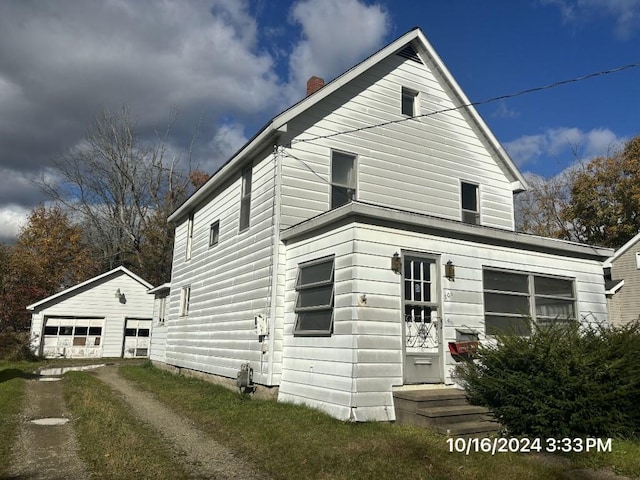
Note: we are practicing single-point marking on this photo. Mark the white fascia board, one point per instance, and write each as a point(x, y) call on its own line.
point(160, 288)
point(618, 286)
point(487, 235)
point(89, 282)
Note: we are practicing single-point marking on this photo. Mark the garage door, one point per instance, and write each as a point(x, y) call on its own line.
point(73, 337)
point(136, 337)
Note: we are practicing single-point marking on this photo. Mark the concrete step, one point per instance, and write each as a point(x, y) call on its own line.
point(411, 399)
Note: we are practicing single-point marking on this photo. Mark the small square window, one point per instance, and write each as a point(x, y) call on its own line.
point(409, 98)
point(214, 234)
point(314, 303)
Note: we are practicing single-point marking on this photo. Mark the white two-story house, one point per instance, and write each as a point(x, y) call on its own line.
point(356, 235)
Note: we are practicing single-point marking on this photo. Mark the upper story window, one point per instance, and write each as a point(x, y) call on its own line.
point(343, 178)
point(470, 203)
point(214, 234)
point(162, 306)
point(314, 305)
point(637, 259)
point(189, 236)
point(245, 199)
point(409, 102)
point(512, 298)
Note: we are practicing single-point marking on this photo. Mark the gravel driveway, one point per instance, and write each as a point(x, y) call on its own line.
point(49, 452)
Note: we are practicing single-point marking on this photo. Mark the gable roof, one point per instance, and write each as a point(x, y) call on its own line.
point(278, 124)
point(621, 250)
point(121, 269)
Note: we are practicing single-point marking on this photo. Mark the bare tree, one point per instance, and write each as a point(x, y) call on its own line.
point(122, 190)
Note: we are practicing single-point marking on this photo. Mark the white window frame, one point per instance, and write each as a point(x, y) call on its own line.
point(245, 198)
point(532, 297)
point(351, 190)
point(189, 237)
point(185, 300)
point(471, 217)
point(638, 260)
point(162, 308)
point(412, 96)
point(307, 288)
point(214, 233)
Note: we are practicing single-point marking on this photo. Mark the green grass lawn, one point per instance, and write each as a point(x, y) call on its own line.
point(11, 398)
point(293, 442)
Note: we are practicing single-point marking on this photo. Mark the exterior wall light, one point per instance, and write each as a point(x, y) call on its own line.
point(450, 271)
point(396, 263)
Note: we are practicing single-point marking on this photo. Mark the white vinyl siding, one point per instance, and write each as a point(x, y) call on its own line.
point(98, 302)
point(351, 374)
point(230, 284)
point(412, 165)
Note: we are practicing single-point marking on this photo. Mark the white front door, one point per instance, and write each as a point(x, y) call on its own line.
point(422, 321)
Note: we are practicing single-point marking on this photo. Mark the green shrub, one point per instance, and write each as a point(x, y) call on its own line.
point(563, 381)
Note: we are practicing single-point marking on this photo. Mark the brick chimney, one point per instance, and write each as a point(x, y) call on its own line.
point(314, 84)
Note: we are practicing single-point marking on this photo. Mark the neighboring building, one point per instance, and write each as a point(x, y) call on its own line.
point(339, 258)
point(106, 316)
point(158, 330)
point(622, 272)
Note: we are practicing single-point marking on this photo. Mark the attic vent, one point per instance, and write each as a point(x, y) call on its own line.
point(410, 53)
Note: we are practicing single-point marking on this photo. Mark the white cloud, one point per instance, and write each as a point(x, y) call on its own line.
point(562, 142)
point(12, 218)
point(504, 112)
point(625, 13)
point(335, 35)
point(227, 140)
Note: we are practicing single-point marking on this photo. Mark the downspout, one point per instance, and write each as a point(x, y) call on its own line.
point(275, 254)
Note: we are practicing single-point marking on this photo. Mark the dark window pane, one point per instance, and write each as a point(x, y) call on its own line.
point(95, 331)
point(469, 197)
point(143, 332)
point(245, 212)
point(214, 233)
point(553, 286)
point(407, 268)
point(343, 169)
point(505, 281)
point(416, 269)
point(408, 100)
point(318, 296)
point(246, 181)
point(51, 330)
point(316, 273)
point(502, 303)
point(554, 308)
point(319, 320)
point(66, 330)
point(507, 325)
point(142, 352)
point(407, 290)
point(130, 332)
point(417, 291)
point(81, 330)
point(341, 196)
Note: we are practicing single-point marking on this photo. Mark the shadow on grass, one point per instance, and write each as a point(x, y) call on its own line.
point(11, 373)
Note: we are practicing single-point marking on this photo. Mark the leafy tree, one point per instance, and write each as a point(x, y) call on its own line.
point(596, 203)
point(49, 255)
point(122, 190)
point(605, 198)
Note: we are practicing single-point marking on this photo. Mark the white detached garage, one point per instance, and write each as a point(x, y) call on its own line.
point(106, 316)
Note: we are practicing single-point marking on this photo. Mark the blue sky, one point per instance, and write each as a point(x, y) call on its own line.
point(230, 65)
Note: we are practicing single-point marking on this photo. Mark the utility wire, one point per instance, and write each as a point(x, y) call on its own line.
point(473, 104)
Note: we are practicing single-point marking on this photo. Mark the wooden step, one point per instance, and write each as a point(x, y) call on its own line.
point(445, 409)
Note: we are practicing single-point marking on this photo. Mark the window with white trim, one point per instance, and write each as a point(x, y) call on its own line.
point(469, 202)
point(343, 178)
point(409, 102)
point(314, 302)
point(162, 306)
point(189, 236)
point(512, 299)
point(185, 298)
point(214, 234)
point(245, 199)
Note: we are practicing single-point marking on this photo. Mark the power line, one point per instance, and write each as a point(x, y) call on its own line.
point(473, 104)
